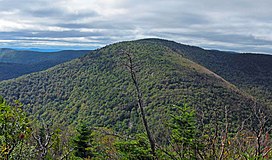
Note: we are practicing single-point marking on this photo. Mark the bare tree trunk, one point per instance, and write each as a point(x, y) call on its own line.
point(130, 66)
point(43, 145)
point(225, 135)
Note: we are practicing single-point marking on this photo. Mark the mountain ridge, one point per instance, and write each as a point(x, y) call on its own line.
point(248, 71)
point(14, 63)
point(8, 55)
point(97, 88)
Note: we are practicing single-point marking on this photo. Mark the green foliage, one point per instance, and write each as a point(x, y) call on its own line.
point(50, 142)
point(14, 129)
point(98, 89)
point(249, 72)
point(83, 142)
point(184, 125)
point(184, 131)
point(133, 149)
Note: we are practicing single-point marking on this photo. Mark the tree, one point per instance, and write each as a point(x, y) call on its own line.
point(131, 68)
point(43, 140)
point(13, 129)
point(184, 132)
point(134, 149)
point(83, 142)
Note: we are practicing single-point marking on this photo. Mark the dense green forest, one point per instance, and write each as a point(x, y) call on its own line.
point(199, 104)
point(15, 63)
point(249, 72)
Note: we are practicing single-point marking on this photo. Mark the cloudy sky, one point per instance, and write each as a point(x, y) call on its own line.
point(236, 25)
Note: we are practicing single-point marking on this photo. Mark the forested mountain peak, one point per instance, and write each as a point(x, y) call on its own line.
point(199, 92)
point(99, 84)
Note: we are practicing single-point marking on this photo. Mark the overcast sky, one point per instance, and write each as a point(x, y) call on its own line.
point(236, 25)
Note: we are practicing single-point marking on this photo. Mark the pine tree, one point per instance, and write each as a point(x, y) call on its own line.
point(184, 132)
point(83, 142)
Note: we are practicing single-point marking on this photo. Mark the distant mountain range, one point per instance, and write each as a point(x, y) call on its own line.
point(14, 63)
point(97, 87)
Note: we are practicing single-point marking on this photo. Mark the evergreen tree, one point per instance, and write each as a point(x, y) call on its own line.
point(83, 142)
point(184, 132)
point(134, 149)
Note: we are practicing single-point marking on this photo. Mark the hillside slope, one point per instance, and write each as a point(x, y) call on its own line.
point(14, 63)
point(249, 72)
point(98, 88)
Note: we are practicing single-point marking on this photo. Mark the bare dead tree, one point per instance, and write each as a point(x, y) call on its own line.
point(260, 131)
point(225, 135)
point(65, 156)
point(131, 68)
point(43, 141)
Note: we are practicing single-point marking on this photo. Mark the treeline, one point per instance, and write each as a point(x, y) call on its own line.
point(186, 138)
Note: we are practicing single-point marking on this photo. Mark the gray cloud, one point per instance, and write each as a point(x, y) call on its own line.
point(241, 25)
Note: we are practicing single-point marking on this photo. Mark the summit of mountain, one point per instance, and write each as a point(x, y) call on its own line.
point(250, 72)
point(97, 87)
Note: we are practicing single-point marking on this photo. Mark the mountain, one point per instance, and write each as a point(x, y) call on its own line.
point(251, 73)
point(97, 87)
point(32, 57)
point(14, 63)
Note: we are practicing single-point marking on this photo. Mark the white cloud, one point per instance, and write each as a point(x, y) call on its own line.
point(233, 24)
